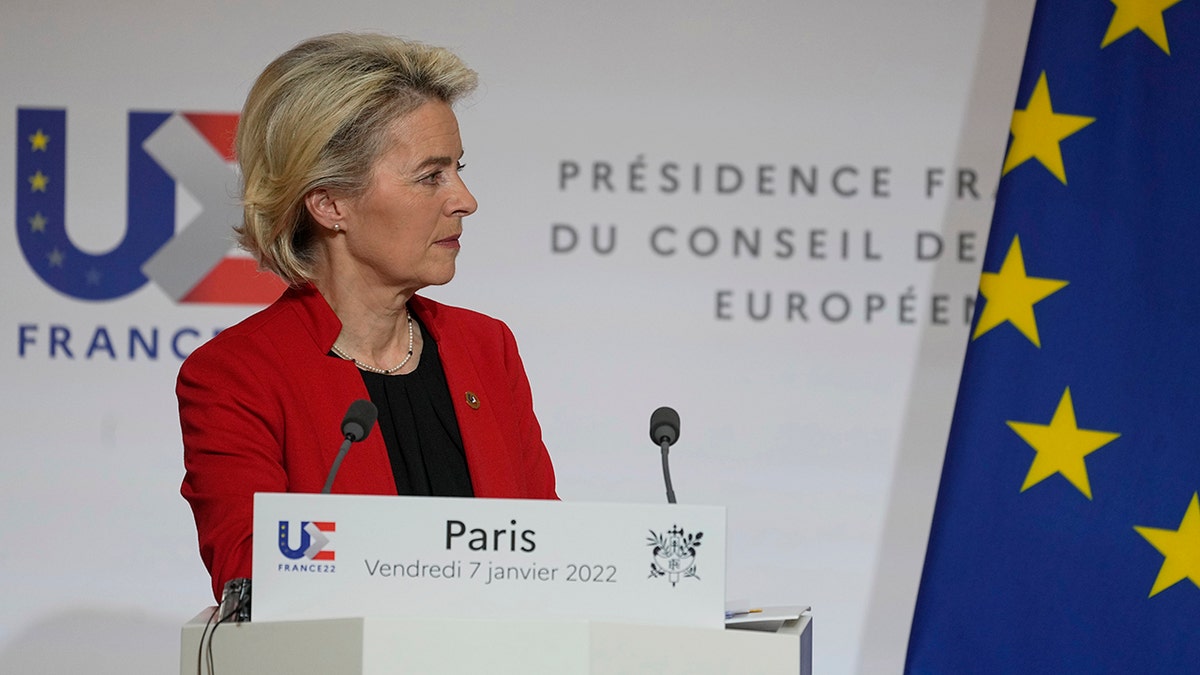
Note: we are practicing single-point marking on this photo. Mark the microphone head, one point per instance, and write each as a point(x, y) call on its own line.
point(359, 419)
point(664, 426)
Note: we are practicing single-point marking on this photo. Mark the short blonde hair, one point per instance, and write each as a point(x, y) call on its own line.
point(317, 117)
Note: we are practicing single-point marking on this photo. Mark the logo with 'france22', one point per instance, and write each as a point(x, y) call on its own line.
point(166, 151)
point(313, 543)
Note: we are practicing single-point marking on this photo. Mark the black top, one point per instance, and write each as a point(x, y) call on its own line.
point(416, 418)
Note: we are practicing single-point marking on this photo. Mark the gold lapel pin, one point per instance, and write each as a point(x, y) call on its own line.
point(472, 400)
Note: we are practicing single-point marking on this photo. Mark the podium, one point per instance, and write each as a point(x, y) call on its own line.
point(372, 585)
point(375, 646)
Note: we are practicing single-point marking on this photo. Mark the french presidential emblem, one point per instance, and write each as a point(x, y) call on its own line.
point(674, 554)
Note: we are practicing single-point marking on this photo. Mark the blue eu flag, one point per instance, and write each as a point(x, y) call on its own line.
point(1066, 536)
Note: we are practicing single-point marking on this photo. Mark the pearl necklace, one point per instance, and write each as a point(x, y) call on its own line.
point(372, 369)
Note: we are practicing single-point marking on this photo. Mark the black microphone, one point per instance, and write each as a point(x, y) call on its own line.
point(359, 419)
point(664, 426)
point(357, 423)
point(664, 431)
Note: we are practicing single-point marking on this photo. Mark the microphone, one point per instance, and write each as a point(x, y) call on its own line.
point(359, 419)
point(664, 431)
point(357, 423)
point(664, 426)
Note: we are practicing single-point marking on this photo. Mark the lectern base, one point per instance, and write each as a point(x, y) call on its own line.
point(375, 646)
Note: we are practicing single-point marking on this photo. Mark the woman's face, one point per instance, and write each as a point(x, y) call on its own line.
point(403, 232)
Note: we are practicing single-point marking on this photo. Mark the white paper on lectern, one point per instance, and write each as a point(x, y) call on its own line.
point(329, 556)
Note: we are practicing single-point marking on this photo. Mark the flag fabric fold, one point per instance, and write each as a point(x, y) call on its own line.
point(1066, 535)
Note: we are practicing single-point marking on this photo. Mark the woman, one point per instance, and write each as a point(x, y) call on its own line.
point(350, 157)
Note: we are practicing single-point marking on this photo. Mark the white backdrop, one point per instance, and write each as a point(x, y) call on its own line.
point(814, 374)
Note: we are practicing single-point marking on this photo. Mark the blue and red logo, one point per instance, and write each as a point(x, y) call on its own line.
point(167, 151)
point(314, 544)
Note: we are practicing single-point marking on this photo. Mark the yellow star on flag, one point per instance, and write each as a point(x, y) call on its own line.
point(56, 258)
point(37, 223)
point(1143, 15)
point(1011, 295)
point(1037, 131)
point(38, 181)
point(1061, 446)
point(1181, 548)
point(39, 141)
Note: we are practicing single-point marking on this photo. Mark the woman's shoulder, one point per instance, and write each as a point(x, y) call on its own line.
point(259, 334)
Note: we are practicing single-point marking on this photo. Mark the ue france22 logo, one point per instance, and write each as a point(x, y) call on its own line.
point(313, 542)
point(166, 151)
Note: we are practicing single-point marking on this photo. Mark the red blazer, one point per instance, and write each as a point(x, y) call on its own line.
point(261, 407)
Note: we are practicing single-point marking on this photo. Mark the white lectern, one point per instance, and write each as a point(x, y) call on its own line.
point(373, 585)
point(375, 646)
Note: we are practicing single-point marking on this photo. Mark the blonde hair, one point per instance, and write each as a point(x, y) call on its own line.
point(317, 117)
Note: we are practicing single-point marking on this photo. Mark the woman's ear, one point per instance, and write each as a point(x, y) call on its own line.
point(325, 209)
